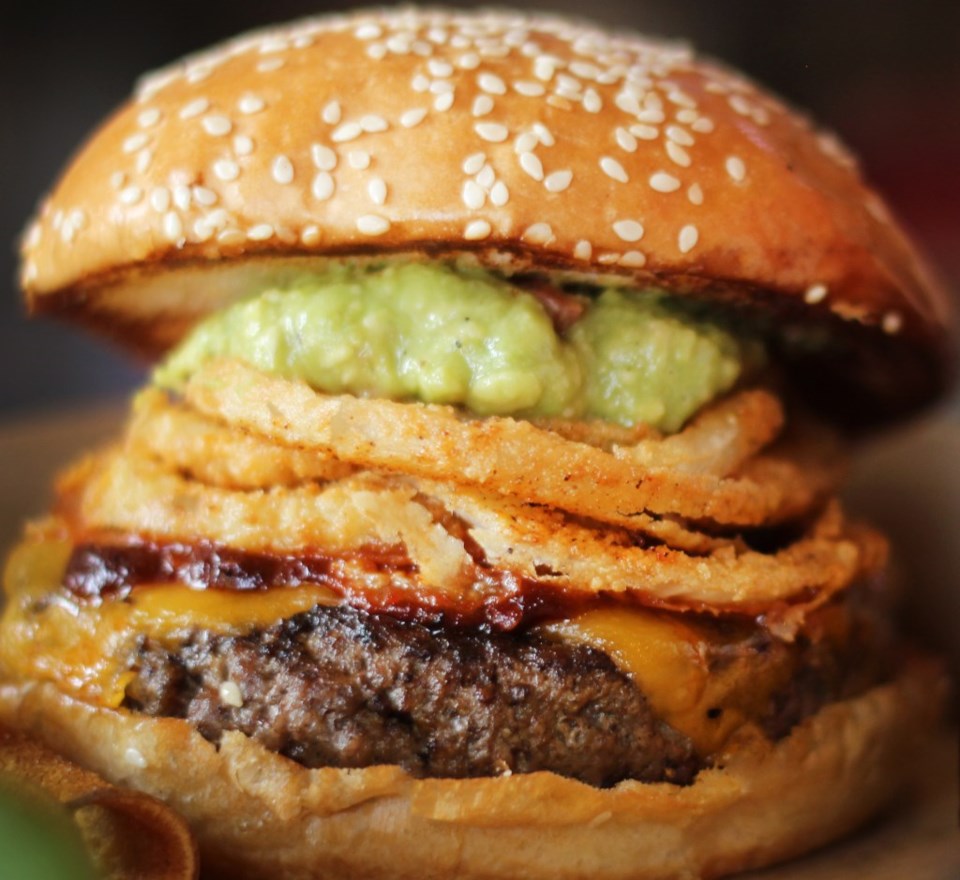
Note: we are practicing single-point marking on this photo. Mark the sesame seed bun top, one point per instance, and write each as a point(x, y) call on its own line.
point(520, 141)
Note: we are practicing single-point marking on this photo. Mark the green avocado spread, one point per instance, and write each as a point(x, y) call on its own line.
point(435, 334)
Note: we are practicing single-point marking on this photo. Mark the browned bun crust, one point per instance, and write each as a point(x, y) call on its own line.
point(260, 815)
point(600, 154)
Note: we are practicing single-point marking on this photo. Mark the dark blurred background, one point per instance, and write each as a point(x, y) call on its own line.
point(886, 75)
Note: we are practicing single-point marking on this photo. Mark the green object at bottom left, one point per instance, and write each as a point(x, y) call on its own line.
point(37, 839)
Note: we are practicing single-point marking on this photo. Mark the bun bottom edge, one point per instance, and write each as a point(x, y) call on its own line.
point(257, 814)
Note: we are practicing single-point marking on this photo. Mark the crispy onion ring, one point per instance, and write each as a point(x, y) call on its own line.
point(212, 453)
point(131, 494)
point(503, 455)
point(137, 495)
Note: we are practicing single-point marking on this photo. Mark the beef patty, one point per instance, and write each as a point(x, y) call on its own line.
point(340, 687)
point(343, 687)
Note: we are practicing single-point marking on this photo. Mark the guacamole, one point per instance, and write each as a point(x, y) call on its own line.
point(434, 334)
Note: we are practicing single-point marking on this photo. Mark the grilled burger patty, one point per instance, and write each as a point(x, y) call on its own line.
point(342, 687)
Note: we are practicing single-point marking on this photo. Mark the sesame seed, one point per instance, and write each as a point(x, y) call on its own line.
point(468, 61)
point(544, 67)
point(260, 232)
point(310, 235)
point(815, 293)
point(204, 196)
point(194, 108)
point(443, 102)
point(740, 104)
point(135, 142)
point(331, 113)
point(892, 323)
point(270, 45)
point(118, 179)
point(681, 99)
point(148, 118)
point(358, 159)
point(130, 195)
point(592, 102)
point(492, 84)
point(323, 157)
point(413, 117)
point(678, 155)
point(377, 190)
point(226, 169)
point(232, 237)
point(420, 83)
point(542, 132)
point(627, 103)
point(249, 104)
point(687, 116)
point(625, 140)
point(499, 194)
point(476, 229)
point(181, 196)
point(612, 168)
point(486, 177)
point(688, 238)
point(482, 105)
point(628, 230)
point(493, 132)
point(473, 163)
point(202, 231)
point(651, 116)
point(373, 123)
point(270, 64)
point(583, 250)
point(439, 67)
point(735, 168)
point(529, 89)
point(558, 181)
point(703, 125)
point(372, 224)
point(376, 51)
point(644, 132)
point(144, 158)
point(634, 259)
point(539, 233)
point(695, 194)
point(473, 195)
point(198, 74)
point(218, 126)
point(77, 218)
point(532, 165)
point(172, 225)
point(229, 691)
point(134, 758)
point(242, 145)
point(322, 186)
point(368, 31)
point(526, 142)
point(347, 132)
point(282, 170)
point(437, 35)
point(679, 135)
point(663, 182)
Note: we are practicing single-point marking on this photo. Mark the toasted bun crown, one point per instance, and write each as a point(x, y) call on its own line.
point(543, 141)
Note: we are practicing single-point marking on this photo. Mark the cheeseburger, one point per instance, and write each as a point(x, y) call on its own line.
point(480, 518)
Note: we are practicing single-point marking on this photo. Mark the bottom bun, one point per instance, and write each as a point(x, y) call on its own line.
point(259, 815)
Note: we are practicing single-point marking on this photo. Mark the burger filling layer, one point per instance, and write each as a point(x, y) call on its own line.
point(597, 692)
point(430, 333)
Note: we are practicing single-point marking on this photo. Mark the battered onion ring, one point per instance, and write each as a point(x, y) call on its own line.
point(217, 455)
point(131, 494)
point(135, 495)
point(502, 455)
point(718, 441)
